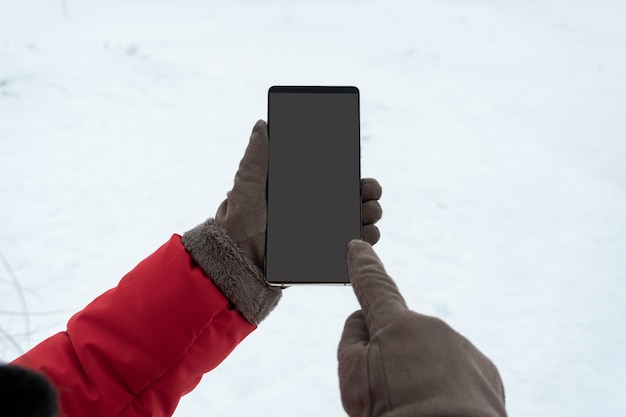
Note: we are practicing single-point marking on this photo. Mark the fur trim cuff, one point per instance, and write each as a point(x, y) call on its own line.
point(236, 276)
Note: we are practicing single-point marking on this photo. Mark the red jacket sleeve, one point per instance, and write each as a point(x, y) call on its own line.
point(139, 347)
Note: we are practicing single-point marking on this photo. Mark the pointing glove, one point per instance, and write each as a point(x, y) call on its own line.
point(394, 362)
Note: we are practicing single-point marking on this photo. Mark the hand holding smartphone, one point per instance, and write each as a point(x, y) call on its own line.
point(313, 184)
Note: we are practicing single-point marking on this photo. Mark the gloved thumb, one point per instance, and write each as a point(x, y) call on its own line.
point(252, 173)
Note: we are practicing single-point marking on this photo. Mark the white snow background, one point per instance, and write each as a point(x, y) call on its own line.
point(497, 130)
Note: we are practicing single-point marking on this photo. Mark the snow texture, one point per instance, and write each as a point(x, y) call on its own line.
point(497, 130)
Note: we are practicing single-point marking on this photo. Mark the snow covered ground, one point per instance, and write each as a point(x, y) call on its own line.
point(497, 130)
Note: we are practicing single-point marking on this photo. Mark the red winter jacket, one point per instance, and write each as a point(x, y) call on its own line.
point(139, 347)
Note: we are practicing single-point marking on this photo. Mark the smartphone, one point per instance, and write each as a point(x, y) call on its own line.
point(313, 184)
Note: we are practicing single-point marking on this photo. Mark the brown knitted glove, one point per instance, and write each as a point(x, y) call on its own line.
point(394, 362)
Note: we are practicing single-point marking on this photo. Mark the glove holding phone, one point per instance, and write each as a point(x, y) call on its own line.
point(230, 248)
point(394, 362)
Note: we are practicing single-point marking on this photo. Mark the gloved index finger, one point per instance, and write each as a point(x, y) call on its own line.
point(377, 293)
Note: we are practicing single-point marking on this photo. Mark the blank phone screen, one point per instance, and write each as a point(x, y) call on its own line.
point(313, 185)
